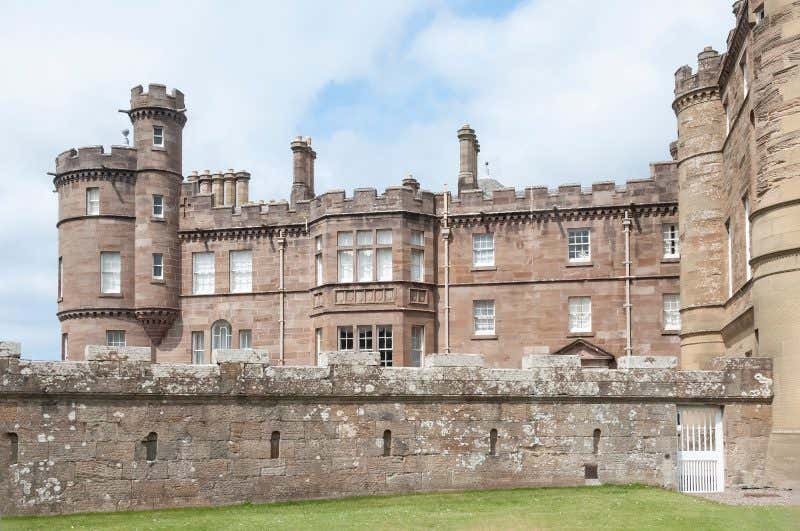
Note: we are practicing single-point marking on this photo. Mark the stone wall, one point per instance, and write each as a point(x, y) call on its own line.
point(82, 428)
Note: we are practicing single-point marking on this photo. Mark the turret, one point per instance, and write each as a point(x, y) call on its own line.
point(701, 133)
point(303, 170)
point(158, 118)
point(468, 159)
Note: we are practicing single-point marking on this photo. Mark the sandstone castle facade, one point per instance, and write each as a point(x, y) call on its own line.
point(700, 261)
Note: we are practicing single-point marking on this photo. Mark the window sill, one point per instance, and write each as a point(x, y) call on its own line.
point(159, 148)
point(155, 219)
point(579, 264)
point(158, 281)
point(484, 268)
point(110, 295)
point(667, 260)
point(476, 337)
point(580, 334)
point(670, 332)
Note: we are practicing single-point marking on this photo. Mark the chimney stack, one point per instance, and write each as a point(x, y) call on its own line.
point(468, 159)
point(303, 178)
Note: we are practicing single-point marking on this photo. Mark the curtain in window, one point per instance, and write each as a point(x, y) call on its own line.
point(241, 271)
point(384, 237)
point(672, 312)
point(417, 265)
point(110, 268)
point(483, 250)
point(483, 313)
point(203, 273)
point(345, 266)
point(384, 264)
point(365, 265)
point(580, 314)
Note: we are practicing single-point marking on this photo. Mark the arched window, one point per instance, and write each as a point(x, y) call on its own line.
point(13, 443)
point(150, 444)
point(275, 445)
point(220, 335)
point(387, 443)
point(595, 441)
point(493, 442)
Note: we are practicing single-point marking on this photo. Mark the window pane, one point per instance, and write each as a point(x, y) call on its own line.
point(203, 273)
point(365, 265)
point(417, 265)
point(344, 239)
point(580, 314)
point(385, 347)
point(345, 266)
point(158, 265)
point(318, 243)
point(578, 245)
point(345, 338)
point(417, 237)
point(241, 271)
point(115, 338)
point(384, 237)
point(670, 237)
point(221, 335)
point(158, 136)
point(365, 338)
point(158, 206)
point(318, 267)
point(483, 250)
point(483, 315)
point(384, 264)
point(245, 338)
point(417, 342)
point(198, 347)
point(672, 312)
point(364, 237)
point(92, 201)
point(110, 272)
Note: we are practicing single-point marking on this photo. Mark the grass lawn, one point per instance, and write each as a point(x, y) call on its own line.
point(607, 507)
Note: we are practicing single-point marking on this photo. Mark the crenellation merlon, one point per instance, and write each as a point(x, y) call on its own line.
point(156, 96)
point(709, 65)
point(659, 188)
point(96, 157)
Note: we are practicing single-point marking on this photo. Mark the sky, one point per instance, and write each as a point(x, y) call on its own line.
point(558, 91)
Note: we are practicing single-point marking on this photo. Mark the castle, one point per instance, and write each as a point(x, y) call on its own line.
point(700, 261)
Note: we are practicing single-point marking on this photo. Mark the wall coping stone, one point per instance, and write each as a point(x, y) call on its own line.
point(647, 362)
point(240, 355)
point(348, 357)
point(106, 353)
point(10, 349)
point(454, 360)
point(543, 361)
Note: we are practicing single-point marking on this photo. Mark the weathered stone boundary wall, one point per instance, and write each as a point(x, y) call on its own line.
point(241, 431)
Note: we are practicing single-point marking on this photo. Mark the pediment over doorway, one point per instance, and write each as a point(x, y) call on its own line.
point(590, 354)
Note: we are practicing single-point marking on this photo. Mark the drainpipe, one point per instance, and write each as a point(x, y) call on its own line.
point(446, 240)
point(281, 293)
point(626, 227)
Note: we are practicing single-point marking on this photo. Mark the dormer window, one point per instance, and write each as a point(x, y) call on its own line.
point(158, 136)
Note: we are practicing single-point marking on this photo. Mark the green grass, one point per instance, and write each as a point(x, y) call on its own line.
point(607, 507)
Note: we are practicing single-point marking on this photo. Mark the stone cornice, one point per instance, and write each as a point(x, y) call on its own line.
point(562, 214)
point(241, 233)
point(93, 313)
point(160, 112)
point(95, 174)
point(693, 97)
point(117, 217)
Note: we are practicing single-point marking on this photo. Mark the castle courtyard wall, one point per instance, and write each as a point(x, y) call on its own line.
point(81, 426)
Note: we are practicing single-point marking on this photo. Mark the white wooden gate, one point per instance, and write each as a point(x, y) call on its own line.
point(701, 459)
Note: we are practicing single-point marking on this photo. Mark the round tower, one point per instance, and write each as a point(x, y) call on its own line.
point(96, 212)
point(158, 118)
point(775, 222)
point(701, 133)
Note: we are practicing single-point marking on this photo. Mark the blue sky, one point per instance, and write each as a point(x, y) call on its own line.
point(558, 90)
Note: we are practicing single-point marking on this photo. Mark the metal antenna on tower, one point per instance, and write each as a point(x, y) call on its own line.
point(125, 133)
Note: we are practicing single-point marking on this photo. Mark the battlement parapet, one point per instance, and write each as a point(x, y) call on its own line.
point(204, 215)
point(156, 96)
point(660, 187)
point(709, 65)
point(733, 379)
point(96, 158)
